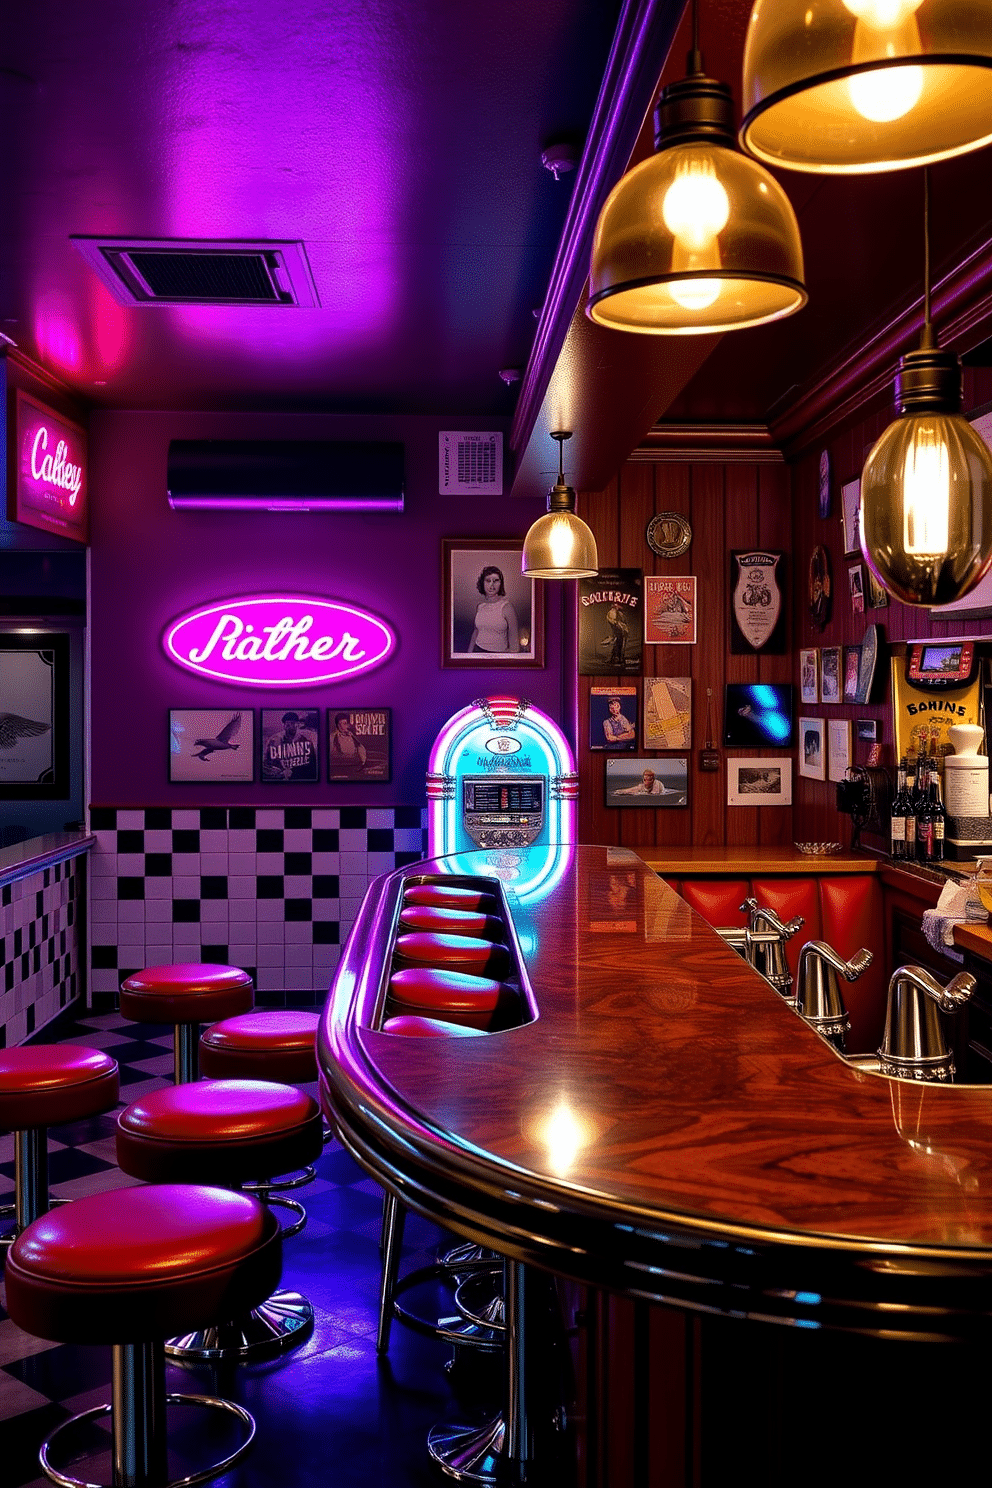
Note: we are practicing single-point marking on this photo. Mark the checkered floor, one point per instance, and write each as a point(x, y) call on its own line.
point(330, 1412)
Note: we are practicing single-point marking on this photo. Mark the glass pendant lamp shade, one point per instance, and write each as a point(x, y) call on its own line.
point(699, 238)
point(560, 545)
point(852, 86)
point(926, 489)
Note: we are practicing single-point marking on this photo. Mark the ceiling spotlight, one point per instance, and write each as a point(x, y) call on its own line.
point(509, 375)
point(699, 238)
point(848, 87)
point(560, 158)
point(560, 545)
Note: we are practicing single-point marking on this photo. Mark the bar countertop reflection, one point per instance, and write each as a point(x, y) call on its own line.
point(667, 1127)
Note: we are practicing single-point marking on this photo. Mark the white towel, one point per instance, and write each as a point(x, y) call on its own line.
point(958, 903)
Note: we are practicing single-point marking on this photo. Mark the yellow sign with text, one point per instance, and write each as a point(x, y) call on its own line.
point(919, 713)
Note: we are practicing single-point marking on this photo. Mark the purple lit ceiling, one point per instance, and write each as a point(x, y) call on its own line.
point(400, 140)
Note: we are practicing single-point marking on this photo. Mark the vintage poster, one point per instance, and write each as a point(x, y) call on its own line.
point(34, 738)
point(291, 745)
point(757, 611)
point(611, 623)
point(207, 745)
point(670, 610)
point(358, 746)
point(613, 718)
point(667, 712)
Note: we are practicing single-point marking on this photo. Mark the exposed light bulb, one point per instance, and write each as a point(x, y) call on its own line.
point(696, 205)
point(561, 541)
point(885, 28)
point(694, 294)
point(926, 494)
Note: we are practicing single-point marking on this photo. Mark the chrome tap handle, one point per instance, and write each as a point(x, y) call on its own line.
point(758, 912)
point(859, 962)
point(948, 999)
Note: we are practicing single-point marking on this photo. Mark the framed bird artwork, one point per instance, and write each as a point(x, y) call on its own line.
point(211, 744)
point(34, 716)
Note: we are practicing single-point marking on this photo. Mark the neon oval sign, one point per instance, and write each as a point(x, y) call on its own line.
point(279, 640)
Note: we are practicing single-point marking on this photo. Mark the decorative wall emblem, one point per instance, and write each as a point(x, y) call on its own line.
point(668, 534)
point(758, 620)
point(279, 641)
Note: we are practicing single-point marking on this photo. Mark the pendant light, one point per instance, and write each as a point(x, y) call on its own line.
point(926, 489)
point(699, 238)
point(560, 545)
point(854, 86)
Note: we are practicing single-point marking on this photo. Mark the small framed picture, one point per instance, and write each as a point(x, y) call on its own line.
point(812, 753)
point(759, 782)
point(647, 782)
point(809, 675)
point(838, 747)
point(35, 737)
point(492, 615)
point(866, 730)
point(207, 745)
point(669, 610)
point(613, 719)
point(830, 658)
point(359, 744)
point(850, 496)
point(878, 597)
point(856, 585)
point(667, 712)
point(290, 746)
point(852, 673)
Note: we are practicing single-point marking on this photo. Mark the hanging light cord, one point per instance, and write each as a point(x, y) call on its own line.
point(695, 61)
point(926, 253)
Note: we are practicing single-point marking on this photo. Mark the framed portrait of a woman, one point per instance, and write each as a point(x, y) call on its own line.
point(491, 615)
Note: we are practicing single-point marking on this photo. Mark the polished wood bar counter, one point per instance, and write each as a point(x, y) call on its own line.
point(665, 1127)
point(684, 862)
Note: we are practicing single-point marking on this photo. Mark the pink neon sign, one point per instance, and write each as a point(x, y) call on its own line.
point(279, 640)
point(50, 490)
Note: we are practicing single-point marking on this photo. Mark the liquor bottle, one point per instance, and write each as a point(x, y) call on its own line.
point(939, 816)
point(899, 814)
point(916, 796)
point(924, 823)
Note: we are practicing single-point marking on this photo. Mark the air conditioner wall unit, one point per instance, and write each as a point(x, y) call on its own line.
point(285, 475)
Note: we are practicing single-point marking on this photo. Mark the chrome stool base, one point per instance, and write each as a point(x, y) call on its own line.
point(479, 1298)
point(472, 1454)
point(212, 1402)
point(280, 1323)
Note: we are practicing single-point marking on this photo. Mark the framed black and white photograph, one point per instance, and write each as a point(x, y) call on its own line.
point(809, 675)
point(812, 749)
point(207, 745)
point(290, 746)
point(647, 782)
point(613, 719)
point(838, 747)
point(34, 721)
point(759, 782)
point(830, 674)
point(850, 496)
point(359, 744)
point(491, 615)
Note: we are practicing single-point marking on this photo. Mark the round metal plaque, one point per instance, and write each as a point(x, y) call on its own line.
point(668, 534)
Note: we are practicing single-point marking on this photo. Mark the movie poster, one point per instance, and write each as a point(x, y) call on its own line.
point(358, 746)
point(670, 610)
point(611, 623)
point(291, 745)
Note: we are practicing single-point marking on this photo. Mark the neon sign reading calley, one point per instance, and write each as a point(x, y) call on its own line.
point(279, 641)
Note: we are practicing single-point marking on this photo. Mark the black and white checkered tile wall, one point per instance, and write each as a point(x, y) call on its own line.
point(273, 891)
point(39, 955)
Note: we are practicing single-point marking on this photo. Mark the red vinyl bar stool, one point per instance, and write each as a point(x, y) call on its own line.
point(468, 953)
point(451, 921)
point(451, 896)
point(455, 996)
point(127, 1268)
point(40, 1086)
point(186, 995)
point(228, 1132)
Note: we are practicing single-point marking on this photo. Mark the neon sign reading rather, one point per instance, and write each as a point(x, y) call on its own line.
point(279, 641)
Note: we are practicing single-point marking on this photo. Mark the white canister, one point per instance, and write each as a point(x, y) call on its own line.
point(966, 785)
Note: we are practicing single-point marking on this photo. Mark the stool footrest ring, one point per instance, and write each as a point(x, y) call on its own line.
point(209, 1401)
point(262, 1186)
point(472, 1454)
point(276, 1201)
point(281, 1322)
point(456, 1330)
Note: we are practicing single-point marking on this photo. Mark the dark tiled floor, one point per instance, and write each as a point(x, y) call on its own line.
point(331, 1413)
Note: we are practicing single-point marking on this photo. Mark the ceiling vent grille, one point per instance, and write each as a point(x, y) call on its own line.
point(177, 272)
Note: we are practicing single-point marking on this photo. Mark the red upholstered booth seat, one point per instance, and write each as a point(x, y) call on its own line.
point(845, 910)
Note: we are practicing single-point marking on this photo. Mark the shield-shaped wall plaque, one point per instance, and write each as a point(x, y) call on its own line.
point(758, 609)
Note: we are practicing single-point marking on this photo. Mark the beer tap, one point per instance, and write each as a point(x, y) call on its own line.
point(770, 958)
point(913, 1044)
point(819, 998)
